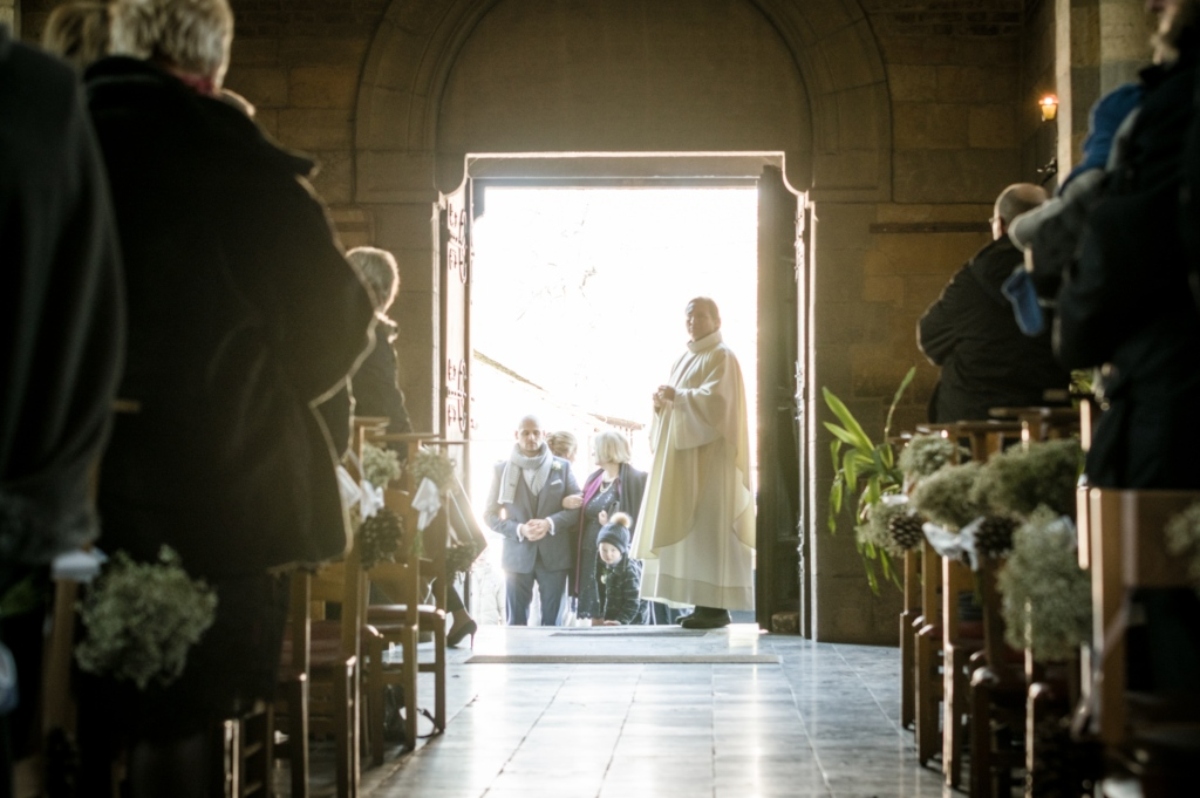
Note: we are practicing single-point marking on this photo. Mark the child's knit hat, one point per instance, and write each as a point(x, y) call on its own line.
point(616, 533)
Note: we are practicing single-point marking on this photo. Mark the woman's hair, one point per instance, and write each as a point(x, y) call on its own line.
point(78, 32)
point(191, 35)
point(378, 267)
point(611, 447)
point(1178, 30)
point(562, 444)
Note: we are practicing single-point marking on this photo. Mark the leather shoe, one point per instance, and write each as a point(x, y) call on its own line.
point(712, 619)
point(457, 633)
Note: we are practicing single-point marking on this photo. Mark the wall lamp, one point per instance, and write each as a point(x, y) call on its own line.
point(1049, 106)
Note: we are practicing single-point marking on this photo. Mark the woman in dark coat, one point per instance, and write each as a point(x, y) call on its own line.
point(615, 486)
point(243, 313)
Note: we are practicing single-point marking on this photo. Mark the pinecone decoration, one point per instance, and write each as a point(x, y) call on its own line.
point(379, 536)
point(905, 530)
point(994, 536)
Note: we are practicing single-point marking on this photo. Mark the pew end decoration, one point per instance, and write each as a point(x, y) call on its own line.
point(1183, 540)
point(1047, 604)
point(1019, 480)
point(948, 498)
point(868, 470)
point(381, 466)
point(924, 455)
point(379, 537)
point(434, 466)
point(141, 619)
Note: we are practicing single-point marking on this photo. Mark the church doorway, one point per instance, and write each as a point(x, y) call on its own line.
point(564, 298)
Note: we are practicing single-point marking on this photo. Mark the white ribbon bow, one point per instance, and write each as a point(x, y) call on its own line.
point(78, 565)
point(427, 503)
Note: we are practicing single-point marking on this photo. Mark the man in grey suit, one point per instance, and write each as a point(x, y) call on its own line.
point(525, 506)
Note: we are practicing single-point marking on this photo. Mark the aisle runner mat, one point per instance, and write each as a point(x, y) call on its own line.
point(616, 631)
point(624, 659)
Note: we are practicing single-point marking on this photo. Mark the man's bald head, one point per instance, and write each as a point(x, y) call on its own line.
point(1012, 202)
point(529, 435)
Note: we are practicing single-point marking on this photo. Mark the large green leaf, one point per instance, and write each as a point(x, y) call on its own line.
point(848, 421)
point(904, 383)
point(843, 435)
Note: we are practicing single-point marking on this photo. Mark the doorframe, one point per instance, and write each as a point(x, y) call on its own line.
point(670, 170)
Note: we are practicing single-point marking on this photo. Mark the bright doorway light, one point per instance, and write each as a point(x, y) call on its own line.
point(578, 306)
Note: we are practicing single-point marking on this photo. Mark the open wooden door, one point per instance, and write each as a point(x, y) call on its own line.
point(781, 370)
point(456, 421)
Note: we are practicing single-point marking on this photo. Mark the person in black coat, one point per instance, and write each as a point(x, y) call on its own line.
point(61, 337)
point(620, 577)
point(970, 331)
point(1126, 303)
point(243, 314)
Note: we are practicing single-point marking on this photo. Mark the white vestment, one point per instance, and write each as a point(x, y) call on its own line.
point(695, 530)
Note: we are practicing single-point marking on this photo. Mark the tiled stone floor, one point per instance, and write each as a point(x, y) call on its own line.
point(823, 722)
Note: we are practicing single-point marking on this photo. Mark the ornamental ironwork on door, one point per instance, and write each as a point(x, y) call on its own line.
point(455, 288)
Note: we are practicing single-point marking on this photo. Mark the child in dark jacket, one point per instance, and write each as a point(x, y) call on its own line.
point(621, 579)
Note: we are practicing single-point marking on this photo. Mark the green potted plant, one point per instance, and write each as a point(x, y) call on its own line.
point(867, 470)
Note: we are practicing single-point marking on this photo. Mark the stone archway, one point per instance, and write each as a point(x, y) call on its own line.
point(835, 56)
point(414, 130)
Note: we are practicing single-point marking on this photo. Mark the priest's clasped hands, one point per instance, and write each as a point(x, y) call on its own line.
point(664, 394)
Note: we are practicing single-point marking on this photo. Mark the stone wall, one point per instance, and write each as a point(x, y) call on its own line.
point(905, 118)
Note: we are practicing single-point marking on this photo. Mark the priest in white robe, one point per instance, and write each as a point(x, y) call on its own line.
point(695, 530)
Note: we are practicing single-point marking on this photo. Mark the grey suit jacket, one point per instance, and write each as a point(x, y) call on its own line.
point(520, 556)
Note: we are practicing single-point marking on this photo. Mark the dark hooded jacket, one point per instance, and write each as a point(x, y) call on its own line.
point(1126, 302)
point(243, 313)
point(986, 360)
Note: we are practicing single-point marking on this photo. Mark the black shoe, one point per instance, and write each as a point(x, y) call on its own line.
point(457, 633)
point(710, 619)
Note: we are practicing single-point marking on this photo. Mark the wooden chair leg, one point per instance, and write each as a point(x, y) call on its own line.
point(347, 765)
point(981, 737)
point(409, 671)
point(954, 710)
point(298, 751)
point(439, 700)
point(375, 703)
point(928, 693)
point(908, 642)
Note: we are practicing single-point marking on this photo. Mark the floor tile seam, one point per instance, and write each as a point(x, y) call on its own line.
point(857, 675)
point(566, 677)
point(807, 736)
point(620, 733)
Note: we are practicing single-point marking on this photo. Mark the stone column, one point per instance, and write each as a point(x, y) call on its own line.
point(1077, 73)
point(1125, 30)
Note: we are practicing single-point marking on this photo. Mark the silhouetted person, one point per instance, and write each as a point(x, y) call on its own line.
point(61, 327)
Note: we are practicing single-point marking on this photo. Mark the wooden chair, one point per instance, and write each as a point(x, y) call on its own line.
point(396, 624)
point(1155, 737)
point(960, 640)
point(998, 696)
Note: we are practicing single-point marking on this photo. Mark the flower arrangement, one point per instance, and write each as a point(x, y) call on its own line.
point(460, 557)
point(436, 467)
point(141, 619)
point(1016, 481)
point(876, 530)
point(379, 536)
point(925, 454)
point(947, 497)
point(380, 466)
point(1047, 604)
point(1183, 539)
